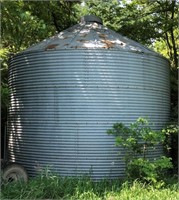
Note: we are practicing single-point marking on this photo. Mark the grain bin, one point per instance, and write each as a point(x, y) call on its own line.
point(66, 91)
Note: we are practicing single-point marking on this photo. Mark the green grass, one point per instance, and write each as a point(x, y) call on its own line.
point(55, 187)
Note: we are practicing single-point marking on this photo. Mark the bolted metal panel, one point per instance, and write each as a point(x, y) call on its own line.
point(62, 102)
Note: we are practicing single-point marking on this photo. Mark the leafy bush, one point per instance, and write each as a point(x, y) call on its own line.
point(137, 140)
point(171, 144)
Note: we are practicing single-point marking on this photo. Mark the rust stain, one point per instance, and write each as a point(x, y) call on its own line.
point(108, 44)
point(82, 40)
point(104, 47)
point(102, 36)
point(75, 47)
point(51, 46)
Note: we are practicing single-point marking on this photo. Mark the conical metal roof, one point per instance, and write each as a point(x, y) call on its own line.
point(89, 34)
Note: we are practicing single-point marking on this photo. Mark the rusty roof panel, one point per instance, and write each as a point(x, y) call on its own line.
point(89, 34)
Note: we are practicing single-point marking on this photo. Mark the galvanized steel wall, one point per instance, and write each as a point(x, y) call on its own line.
point(62, 102)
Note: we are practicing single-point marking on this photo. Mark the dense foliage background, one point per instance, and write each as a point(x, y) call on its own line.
point(152, 23)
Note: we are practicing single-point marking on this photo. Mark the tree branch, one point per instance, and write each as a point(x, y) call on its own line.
point(175, 56)
point(55, 21)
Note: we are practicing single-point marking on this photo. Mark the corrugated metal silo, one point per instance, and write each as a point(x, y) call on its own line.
point(68, 90)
